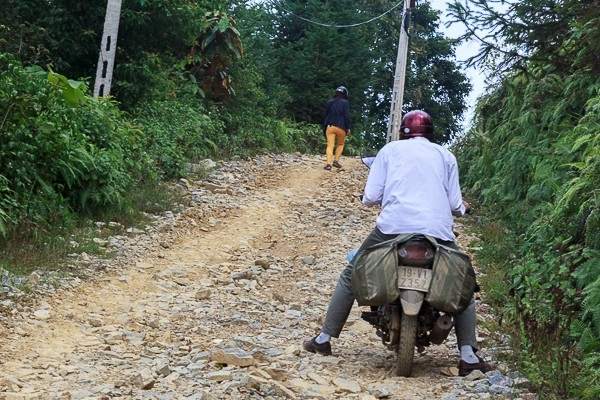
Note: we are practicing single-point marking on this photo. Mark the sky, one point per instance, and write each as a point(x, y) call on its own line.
point(463, 52)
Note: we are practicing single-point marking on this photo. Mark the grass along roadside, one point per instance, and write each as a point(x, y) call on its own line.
point(496, 251)
point(49, 250)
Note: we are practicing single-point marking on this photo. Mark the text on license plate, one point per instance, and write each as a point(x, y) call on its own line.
point(414, 278)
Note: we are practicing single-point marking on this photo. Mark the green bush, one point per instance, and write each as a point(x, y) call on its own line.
point(61, 150)
point(532, 160)
point(177, 132)
point(250, 134)
point(180, 131)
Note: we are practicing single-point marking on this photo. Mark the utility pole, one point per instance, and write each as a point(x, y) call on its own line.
point(400, 73)
point(106, 59)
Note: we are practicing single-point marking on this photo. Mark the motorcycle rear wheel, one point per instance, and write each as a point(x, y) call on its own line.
point(406, 347)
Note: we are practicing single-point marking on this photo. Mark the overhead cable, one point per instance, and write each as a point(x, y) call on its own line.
point(282, 8)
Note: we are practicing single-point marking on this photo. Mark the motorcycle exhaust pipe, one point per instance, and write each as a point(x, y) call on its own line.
point(441, 329)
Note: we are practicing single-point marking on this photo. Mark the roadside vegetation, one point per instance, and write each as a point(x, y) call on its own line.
point(531, 159)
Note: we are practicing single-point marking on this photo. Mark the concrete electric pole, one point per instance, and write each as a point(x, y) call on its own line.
point(106, 59)
point(400, 73)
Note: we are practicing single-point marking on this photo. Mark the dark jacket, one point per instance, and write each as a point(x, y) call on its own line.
point(337, 113)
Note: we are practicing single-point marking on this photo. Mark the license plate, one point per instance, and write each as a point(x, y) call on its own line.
point(414, 278)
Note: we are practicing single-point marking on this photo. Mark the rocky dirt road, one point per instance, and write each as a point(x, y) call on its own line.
point(213, 303)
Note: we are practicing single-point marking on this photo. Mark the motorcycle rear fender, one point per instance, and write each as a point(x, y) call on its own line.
point(411, 301)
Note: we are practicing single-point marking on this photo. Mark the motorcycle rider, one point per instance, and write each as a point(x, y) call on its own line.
point(417, 185)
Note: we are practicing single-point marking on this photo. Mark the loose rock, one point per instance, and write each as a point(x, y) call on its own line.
point(213, 299)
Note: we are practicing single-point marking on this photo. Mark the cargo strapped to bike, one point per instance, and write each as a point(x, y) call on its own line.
point(453, 282)
point(375, 276)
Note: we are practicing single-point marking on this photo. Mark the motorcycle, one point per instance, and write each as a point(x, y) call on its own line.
point(411, 321)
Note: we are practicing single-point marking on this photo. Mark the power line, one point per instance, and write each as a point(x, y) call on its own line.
point(277, 5)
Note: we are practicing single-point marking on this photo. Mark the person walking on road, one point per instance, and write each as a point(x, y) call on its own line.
point(416, 184)
point(336, 126)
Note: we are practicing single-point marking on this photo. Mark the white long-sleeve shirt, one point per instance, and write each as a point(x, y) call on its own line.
point(416, 183)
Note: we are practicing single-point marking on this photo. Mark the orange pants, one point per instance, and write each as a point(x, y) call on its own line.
point(334, 133)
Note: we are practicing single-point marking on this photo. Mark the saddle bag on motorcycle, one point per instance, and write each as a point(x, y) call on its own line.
point(375, 275)
point(375, 272)
point(453, 282)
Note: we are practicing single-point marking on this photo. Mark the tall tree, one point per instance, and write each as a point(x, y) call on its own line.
point(513, 34)
point(216, 49)
point(156, 40)
point(319, 46)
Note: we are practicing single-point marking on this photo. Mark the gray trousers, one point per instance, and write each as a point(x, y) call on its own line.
point(342, 300)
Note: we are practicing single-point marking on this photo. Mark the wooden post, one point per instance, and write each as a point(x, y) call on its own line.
point(106, 59)
point(400, 73)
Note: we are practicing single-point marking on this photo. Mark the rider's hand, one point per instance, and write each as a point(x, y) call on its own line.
point(467, 207)
point(348, 132)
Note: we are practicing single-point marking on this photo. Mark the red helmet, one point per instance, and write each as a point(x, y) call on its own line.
point(416, 123)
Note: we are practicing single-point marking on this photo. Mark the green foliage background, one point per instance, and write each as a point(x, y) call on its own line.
point(319, 46)
point(532, 161)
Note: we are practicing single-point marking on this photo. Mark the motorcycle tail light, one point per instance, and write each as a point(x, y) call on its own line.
point(416, 253)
